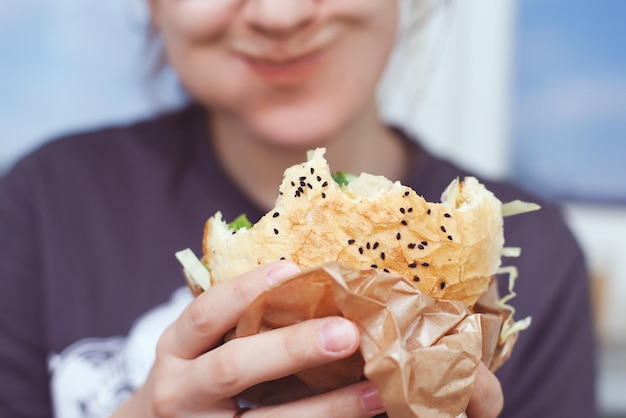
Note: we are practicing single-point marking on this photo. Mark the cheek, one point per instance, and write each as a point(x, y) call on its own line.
point(370, 38)
point(192, 36)
point(197, 19)
point(364, 9)
point(212, 76)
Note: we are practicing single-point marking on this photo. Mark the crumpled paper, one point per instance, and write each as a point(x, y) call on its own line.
point(421, 353)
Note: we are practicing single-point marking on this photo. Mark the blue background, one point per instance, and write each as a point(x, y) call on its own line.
point(569, 133)
point(67, 65)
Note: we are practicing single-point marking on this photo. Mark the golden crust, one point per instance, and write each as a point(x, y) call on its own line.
point(449, 250)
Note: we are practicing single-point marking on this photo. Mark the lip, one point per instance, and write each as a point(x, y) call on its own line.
point(284, 70)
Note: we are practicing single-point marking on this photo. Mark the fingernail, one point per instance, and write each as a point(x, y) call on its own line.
point(337, 335)
point(371, 399)
point(281, 272)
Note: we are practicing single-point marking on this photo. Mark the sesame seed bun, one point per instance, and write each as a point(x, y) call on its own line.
point(449, 250)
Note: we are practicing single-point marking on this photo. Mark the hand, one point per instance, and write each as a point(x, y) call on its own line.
point(195, 375)
point(487, 399)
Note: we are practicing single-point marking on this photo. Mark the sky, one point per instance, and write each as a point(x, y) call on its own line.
point(569, 119)
point(67, 65)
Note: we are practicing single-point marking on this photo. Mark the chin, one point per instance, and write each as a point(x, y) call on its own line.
point(299, 128)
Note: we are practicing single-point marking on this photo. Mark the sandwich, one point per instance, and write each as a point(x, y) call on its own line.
point(449, 250)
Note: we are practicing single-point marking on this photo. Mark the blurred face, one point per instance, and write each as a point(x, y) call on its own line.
point(293, 72)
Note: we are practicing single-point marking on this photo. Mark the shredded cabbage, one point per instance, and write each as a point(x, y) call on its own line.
point(517, 207)
point(194, 269)
point(509, 327)
point(511, 251)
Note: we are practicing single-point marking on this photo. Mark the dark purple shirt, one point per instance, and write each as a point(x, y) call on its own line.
point(89, 225)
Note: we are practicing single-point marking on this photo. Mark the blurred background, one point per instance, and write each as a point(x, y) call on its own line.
point(530, 90)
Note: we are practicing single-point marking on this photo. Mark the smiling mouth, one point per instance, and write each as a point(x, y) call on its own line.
point(284, 71)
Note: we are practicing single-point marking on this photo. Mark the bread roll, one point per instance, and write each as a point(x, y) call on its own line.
point(450, 250)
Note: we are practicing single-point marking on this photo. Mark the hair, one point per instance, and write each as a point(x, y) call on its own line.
point(161, 88)
point(420, 37)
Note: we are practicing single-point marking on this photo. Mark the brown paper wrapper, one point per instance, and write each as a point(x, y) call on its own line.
point(421, 353)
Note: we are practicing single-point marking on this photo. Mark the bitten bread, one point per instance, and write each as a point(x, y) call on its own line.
point(450, 250)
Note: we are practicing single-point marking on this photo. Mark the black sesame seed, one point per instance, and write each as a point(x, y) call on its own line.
point(312, 170)
point(360, 250)
point(282, 258)
point(297, 193)
point(319, 178)
point(374, 266)
point(442, 285)
point(450, 237)
point(411, 245)
point(413, 265)
point(309, 186)
point(404, 222)
point(447, 215)
point(410, 210)
point(293, 184)
point(386, 270)
point(325, 184)
point(416, 279)
point(425, 264)
point(275, 231)
point(275, 215)
point(443, 228)
point(302, 178)
point(424, 243)
point(367, 245)
point(402, 210)
point(323, 195)
point(406, 193)
point(350, 241)
point(375, 245)
point(301, 190)
point(382, 255)
point(421, 247)
point(428, 212)
point(302, 183)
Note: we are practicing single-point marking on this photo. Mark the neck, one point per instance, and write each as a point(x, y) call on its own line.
point(256, 165)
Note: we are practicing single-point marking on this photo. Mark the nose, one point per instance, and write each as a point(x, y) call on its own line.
point(278, 17)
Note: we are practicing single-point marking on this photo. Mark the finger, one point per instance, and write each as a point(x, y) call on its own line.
point(212, 314)
point(487, 399)
point(244, 362)
point(354, 401)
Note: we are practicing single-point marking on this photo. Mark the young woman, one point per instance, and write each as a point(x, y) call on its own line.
point(89, 225)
